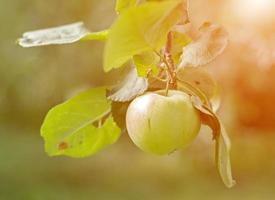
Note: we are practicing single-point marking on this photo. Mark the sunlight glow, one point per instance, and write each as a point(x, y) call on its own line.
point(250, 10)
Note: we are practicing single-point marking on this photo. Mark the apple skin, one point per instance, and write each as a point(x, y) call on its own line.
point(161, 124)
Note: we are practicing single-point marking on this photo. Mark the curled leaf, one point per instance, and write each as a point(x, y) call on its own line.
point(131, 87)
point(207, 116)
point(212, 41)
point(60, 35)
point(223, 145)
point(223, 157)
point(119, 110)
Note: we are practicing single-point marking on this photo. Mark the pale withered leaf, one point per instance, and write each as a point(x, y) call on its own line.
point(185, 9)
point(131, 87)
point(207, 116)
point(187, 29)
point(223, 145)
point(60, 35)
point(199, 78)
point(211, 42)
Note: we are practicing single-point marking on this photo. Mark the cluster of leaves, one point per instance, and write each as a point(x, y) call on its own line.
point(138, 38)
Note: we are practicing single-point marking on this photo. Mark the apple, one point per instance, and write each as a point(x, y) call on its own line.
point(161, 124)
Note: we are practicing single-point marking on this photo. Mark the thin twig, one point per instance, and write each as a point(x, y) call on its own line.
point(167, 84)
point(169, 60)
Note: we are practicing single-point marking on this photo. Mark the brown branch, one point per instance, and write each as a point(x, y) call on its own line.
point(169, 61)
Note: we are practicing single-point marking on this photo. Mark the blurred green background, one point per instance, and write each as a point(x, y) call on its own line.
point(34, 80)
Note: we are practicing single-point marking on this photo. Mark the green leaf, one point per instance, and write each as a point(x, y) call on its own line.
point(81, 126)
point(180, 40)
point(139, 29)
point(60, 35)
point(124, 4)
point(146, 63)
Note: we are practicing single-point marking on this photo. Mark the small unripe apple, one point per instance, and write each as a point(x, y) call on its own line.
point(161, 124)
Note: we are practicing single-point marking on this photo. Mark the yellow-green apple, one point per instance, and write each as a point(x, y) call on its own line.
point(161, 124)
